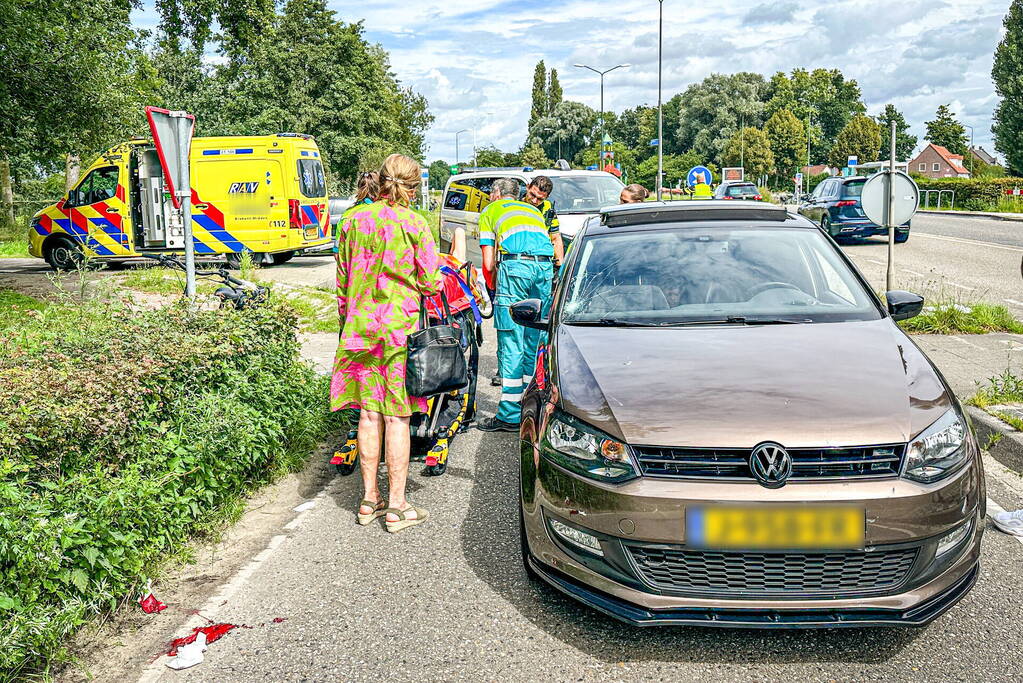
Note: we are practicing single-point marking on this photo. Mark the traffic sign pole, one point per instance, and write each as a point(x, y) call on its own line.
point(890, 203)
point(184, 135)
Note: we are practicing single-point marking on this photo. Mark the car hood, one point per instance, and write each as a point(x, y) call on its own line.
point(572, 223)
point(803, 386)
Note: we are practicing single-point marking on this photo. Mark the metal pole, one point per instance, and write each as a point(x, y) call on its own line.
point(184, 134)
point(742, 145)
point(660, 113)
point(600, 144)
point(971, 149)
point(808, 141)
point(889, 215)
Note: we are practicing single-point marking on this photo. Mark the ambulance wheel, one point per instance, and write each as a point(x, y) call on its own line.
point(283, 257)
point(63, 254)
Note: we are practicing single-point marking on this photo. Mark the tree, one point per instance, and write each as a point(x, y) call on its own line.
point(440, 171)
point(676, 168)
point(75, 80)
point(534, 157)
point(488, 155)
point(634, 129)
point(751, 148)
point(904, 142)
point(566, 131)
point(1005, 72)
point(787, 137)
point(712, 110)
point(540, 101)
point(946, 131)
point(861, 138)
point(554, 93)
point(824, 95)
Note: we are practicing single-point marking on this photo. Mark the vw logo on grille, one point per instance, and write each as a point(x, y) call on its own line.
point(771, 465)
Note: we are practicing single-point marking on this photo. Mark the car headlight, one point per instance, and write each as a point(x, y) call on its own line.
point(587, 451)
point(939, 450)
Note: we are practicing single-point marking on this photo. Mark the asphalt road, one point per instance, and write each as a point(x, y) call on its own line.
point(951, 259)
point(449, 600)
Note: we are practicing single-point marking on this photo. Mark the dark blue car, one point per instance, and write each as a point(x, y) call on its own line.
point(835, 206)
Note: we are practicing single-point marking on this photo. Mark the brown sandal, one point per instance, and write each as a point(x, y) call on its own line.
point(379, 509)
point(403, 519)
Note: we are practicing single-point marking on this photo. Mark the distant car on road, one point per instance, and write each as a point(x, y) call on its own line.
point(836, 207)
point(738, 190)
point(728, 428)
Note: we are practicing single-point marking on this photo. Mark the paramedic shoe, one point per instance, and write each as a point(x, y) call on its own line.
point(1010, 522)
point(492, 424)
point(495, 381)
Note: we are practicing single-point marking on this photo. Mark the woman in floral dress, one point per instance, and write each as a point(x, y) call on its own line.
point(387, 261)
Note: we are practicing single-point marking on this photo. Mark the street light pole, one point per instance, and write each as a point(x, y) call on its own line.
point(600, 144)
point(742, 144)
point(464, 130)
point(660, 113)
point(971, 148)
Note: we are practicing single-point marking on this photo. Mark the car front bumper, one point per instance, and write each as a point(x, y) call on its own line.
point(900, 516)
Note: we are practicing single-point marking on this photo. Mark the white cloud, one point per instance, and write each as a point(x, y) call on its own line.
point(470, 59)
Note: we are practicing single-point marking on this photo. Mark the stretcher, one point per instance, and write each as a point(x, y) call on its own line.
point(447, 415)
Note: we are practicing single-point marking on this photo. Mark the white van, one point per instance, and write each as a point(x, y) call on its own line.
point(577, 195)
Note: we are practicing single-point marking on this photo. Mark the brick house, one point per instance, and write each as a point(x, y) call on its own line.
point(937, 162)
point(981, 154)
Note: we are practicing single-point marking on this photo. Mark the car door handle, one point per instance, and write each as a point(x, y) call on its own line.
point(111, 209)
point(202, 207)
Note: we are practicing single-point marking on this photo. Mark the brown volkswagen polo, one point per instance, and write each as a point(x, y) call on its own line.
point(728, 428)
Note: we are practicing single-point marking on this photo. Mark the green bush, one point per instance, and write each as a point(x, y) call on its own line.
point(120, 434)
point(971, 194)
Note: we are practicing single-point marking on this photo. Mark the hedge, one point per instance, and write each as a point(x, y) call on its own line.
point(971, 195)
point(123, 432)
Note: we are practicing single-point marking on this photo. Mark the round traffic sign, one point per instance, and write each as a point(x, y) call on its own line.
point(874, 198)
point(697, 175)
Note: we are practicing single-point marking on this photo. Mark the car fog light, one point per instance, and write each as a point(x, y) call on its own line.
point(952, 538)
point(577, 537)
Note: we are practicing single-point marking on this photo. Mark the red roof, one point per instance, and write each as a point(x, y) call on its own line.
point(953, 160)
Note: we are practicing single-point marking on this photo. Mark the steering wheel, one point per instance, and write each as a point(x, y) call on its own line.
point(764, 286)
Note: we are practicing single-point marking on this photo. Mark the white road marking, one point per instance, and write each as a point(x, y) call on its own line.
point(1013, 302)
point(961, 240)
point(913, 272)
point(874, 260)
point(954, 284)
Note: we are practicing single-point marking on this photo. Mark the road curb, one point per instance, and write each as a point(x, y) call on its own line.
point(1003, 441)
point(973, 214)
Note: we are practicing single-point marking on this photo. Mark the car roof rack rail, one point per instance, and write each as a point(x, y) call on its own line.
point(690, 211)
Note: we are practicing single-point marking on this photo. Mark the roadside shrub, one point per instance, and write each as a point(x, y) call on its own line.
point(959, 318)
point(971, 194)
point(121, 433)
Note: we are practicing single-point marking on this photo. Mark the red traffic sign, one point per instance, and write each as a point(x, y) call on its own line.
point(172, 130)
point(1014, 192)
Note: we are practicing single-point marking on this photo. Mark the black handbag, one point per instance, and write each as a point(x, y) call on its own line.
point(436, 363)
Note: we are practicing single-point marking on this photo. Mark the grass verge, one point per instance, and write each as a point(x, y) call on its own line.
point(999, 390)
point(15, 307)
point(123, 433)
point(959, 318)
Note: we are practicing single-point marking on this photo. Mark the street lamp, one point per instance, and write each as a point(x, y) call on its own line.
point(971, 147)
point(600, 145)
point(660, 113)
point(464, 130)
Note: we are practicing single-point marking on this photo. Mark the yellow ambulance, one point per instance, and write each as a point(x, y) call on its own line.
point(261, 194)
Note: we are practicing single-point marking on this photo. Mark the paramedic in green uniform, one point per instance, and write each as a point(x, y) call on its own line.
point(537, 193)
point(514, 240)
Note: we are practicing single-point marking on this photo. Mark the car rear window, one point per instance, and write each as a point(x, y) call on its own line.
point(742, 190)
point(853, 189)
point(310, 178)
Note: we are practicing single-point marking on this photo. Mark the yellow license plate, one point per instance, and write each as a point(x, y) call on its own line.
point(753, 528)
point(312, 233)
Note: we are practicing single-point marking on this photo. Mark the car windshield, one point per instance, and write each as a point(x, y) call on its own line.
point(585, 194)
point(715, 274)
point(853, 189)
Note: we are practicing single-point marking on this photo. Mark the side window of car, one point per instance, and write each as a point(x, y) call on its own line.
point(99, 186)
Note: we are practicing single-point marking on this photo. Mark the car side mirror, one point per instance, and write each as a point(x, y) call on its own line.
point(904, 305)
point(72, 198)
point(528, 313)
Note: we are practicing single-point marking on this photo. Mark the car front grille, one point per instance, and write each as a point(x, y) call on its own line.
point(779, 574)
point(807, 463)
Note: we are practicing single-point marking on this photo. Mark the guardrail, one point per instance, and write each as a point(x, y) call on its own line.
point(940, 193)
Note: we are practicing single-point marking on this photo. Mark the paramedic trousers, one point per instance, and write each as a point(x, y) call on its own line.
point(517, 345)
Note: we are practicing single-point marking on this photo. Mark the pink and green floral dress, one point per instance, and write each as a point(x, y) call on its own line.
point(386, 261)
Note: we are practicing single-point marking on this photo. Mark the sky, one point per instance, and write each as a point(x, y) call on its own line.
point(474, 60)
